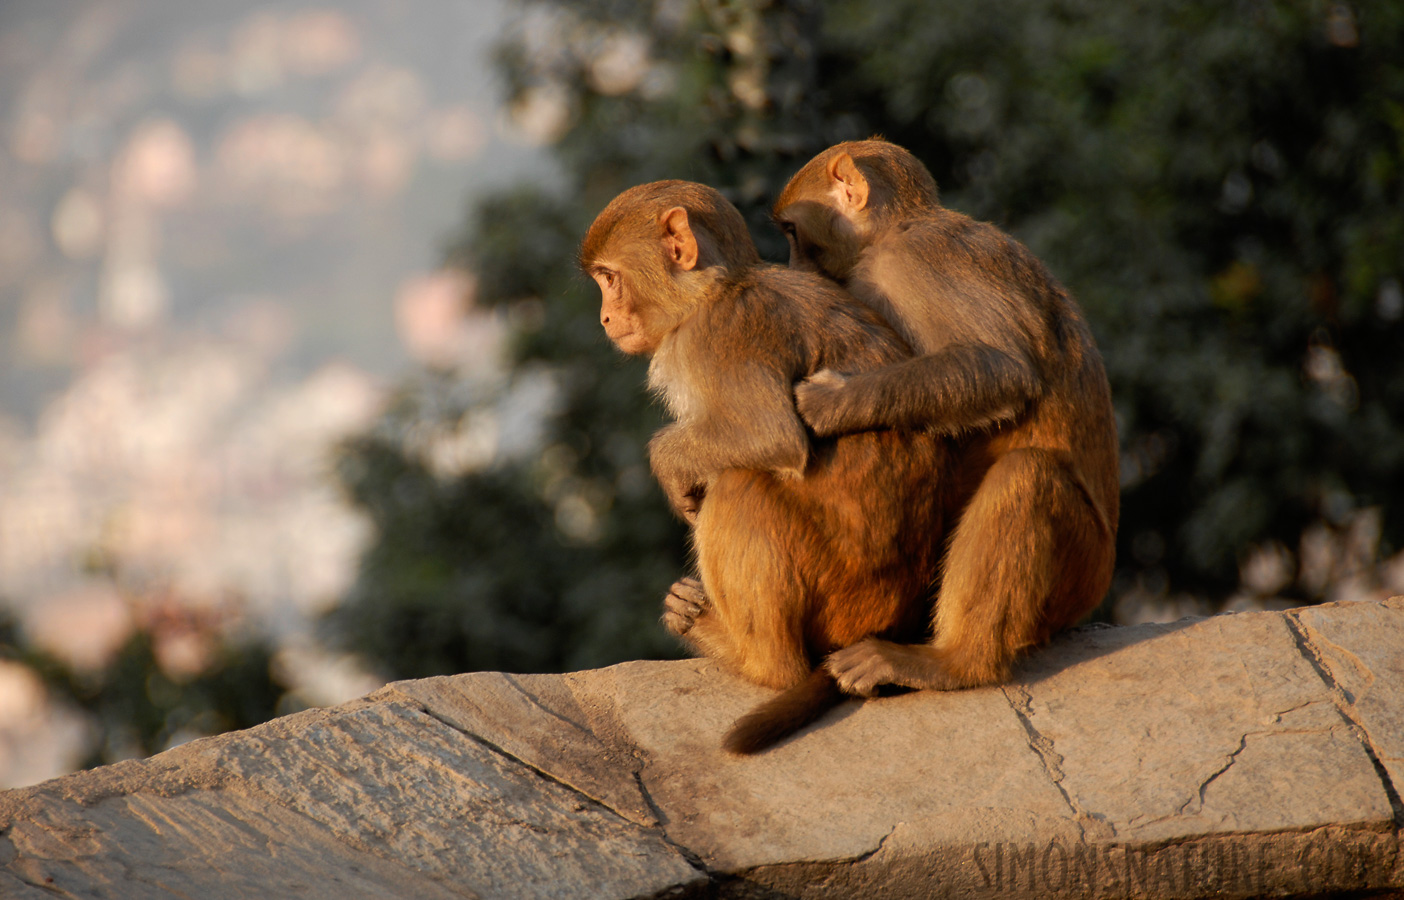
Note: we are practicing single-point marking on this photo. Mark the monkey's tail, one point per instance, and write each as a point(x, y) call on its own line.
point(780, 717)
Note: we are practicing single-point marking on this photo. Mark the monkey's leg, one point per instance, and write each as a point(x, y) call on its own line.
point(747, 541)
point(1031, 555)
point(685, 603)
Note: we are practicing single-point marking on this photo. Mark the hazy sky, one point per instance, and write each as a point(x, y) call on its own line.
point(168, 165)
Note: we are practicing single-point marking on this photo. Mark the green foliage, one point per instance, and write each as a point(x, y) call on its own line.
point(540, 564)
point(1221, 186)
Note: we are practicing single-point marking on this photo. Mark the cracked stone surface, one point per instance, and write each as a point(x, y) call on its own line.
point(1238, 756)
point(1359, 654)
point(1155, 744)
point(365, 800)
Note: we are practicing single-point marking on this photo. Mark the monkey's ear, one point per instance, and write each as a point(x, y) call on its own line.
point(852, 186)
point(678, 240)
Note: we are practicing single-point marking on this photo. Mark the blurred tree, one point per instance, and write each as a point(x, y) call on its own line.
point(1222, 186)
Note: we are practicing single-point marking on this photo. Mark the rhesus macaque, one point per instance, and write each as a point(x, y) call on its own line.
point(1006, 363)
point(802, 550)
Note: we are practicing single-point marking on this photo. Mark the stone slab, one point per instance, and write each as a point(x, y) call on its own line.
point(1359, 651)
point(206, 844)
point(535, 719)
point(915, 768)
point(1240, 756)
point(1158, 738)
point(378, 782)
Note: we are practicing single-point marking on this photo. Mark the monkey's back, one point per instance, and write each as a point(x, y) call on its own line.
point(817, 323)
point(863, 529)
point(951, 279)
point(864, 526)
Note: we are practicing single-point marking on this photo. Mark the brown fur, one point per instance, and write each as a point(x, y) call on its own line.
point(1005, 360)
point(801, 550)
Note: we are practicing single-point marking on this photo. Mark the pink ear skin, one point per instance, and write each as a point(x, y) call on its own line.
point(850, 186)
point(679, 242)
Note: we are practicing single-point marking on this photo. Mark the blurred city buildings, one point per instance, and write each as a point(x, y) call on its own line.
point(219, 226)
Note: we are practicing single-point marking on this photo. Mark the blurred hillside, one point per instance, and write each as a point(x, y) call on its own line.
point(219, 238)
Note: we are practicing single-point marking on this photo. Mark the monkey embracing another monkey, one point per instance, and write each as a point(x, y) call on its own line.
point(801, 550)
point(1005, 360)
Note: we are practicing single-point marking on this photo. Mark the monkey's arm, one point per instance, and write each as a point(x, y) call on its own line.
point(747, 422)
point(958, 388)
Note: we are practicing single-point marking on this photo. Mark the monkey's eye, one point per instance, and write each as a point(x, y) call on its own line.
point(788, 228)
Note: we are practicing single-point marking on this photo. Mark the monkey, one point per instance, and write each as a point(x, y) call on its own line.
point(1005, 362)
point(802, 548)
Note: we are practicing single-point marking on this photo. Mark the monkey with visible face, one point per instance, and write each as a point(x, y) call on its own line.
point(801, 549)
point(1005, 362)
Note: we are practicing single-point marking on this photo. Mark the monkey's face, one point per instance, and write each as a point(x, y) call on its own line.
point(625, 320)
point(645, 271)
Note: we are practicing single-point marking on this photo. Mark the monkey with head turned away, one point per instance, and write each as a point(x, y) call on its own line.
point(1005, 364)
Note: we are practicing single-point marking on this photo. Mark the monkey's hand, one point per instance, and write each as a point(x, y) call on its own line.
point(684, 495)
point(671, 458)
point(819, 401)
point(860, 668)
point(685, 604)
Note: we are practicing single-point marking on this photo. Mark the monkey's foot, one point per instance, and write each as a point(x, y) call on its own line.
point(684, 605)
point(861, 668)
point(870, 663)
point(818, 400)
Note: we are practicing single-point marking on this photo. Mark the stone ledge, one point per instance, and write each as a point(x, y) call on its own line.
point(1237, 756)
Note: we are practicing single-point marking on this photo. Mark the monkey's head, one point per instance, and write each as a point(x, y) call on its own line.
point(650, 250)
point(834, 206)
